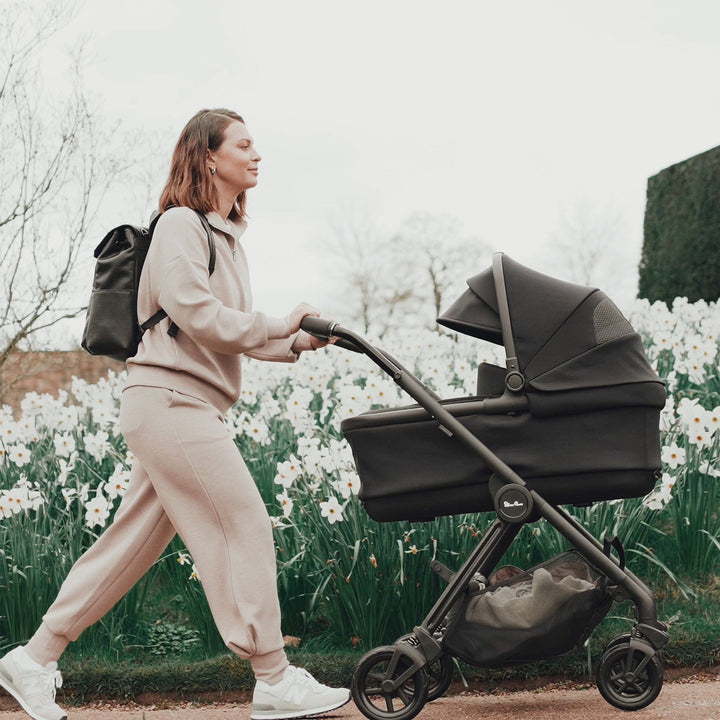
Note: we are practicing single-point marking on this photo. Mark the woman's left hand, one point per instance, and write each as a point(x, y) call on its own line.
point(306, 341)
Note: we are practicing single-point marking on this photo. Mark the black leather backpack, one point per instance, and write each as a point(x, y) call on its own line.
point(111, 324)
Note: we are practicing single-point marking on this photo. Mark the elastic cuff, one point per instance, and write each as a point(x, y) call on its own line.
point(277, 328)
point(270, 667)
point(45, 646)
point(302, 342)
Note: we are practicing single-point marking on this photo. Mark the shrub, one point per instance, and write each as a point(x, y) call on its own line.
point(681, 245)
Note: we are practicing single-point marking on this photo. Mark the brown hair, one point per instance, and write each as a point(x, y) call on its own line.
point(189, 183)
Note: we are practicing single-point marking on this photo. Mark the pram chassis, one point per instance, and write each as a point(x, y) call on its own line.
point(409, 674)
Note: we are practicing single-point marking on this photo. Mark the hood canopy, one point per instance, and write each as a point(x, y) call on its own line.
point(565, 336)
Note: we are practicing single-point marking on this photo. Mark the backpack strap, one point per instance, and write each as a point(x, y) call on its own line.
point(211, 241)
point(153, 320)
point(174, 329)
point(160, 314)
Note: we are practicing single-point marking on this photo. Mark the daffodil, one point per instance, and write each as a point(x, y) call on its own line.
point(97, 511)
point(332, 510)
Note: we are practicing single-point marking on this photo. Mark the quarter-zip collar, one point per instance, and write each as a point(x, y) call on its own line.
point(231, 227)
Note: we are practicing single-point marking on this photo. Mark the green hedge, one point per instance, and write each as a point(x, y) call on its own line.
point(681, 245)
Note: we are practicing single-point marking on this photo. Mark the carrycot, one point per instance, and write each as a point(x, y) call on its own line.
point(575, 413)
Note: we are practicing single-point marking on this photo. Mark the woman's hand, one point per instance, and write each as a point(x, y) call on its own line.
point(295, 317)
point(305, 341)
point(316, 343)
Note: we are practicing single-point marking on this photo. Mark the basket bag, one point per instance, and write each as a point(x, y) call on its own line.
point(543, 612)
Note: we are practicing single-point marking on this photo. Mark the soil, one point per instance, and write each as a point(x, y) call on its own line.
point(686, 695)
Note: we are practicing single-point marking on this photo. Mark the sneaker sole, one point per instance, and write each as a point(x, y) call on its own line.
point(10, 688)
point(289, 714)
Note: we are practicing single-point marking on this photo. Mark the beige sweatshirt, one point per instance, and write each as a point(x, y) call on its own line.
point(214, 313)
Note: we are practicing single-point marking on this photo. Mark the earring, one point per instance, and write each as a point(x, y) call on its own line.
point(213, 170)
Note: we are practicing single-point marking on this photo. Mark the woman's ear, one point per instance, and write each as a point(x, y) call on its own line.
point(210, 159)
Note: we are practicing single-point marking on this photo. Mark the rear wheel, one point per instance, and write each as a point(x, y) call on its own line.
point(385, 685)
point(628, 678)
point(440, 675)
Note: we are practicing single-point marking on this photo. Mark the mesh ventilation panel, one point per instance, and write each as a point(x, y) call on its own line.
point(609, 322)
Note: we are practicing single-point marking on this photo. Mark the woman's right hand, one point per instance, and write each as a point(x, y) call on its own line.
point(295, 317)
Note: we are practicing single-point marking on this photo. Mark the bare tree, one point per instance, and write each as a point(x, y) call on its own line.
point(55, 169)
point(403, 278)
point(588, 246)
point(357, 244)
point(443, 257)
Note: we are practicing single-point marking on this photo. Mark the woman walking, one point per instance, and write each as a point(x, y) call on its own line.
point(188, 477)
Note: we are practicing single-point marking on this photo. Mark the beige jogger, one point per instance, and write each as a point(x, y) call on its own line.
point(189, 478)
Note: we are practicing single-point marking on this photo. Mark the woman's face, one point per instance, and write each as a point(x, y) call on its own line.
point(236, 160)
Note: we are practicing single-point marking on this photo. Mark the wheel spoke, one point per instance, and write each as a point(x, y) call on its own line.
point(392, 665)
point(636, 671)
point(403, 695)
point(404, 677)
point(628, 662)
point(636, 686)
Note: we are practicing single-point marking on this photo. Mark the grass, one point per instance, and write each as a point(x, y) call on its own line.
point(193, 673)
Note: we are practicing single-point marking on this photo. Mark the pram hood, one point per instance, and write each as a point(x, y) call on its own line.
point(565, 337)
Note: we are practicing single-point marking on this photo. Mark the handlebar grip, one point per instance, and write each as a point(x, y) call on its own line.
point(345, 345)
point(319, 327)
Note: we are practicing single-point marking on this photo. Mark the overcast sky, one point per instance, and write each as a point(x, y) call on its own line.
point(510, 115)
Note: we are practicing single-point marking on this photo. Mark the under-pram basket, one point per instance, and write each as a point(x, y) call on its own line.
point(541, 613)
point(573, 418)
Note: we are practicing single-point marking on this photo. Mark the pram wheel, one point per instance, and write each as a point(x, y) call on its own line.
point(440, 675)
point(440, 671)
point(628, 678)
point(385, 685)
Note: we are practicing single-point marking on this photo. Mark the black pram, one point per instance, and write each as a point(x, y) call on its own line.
point(573, 418)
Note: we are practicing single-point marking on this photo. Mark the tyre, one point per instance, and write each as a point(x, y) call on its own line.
point(385, 685)
point(628, 678)
point(618, 640)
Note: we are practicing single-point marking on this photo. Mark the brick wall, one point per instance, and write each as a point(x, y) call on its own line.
point(48, 372)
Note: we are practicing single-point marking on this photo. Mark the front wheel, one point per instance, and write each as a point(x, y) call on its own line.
point(618, 640)
point(628, 678)
point(387, 686)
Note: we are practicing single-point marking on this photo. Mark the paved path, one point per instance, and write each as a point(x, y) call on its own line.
point(692, 698)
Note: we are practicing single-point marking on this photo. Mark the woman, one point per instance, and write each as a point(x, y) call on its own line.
point(189, 477)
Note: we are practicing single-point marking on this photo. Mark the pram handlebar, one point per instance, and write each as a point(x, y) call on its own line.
point(319, 327)
point(326, 329)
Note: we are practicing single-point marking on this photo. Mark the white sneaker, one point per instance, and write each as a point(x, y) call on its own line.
point(31, 684)
point(297, 695)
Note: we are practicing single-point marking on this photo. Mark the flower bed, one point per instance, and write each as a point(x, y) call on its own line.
point(65, 467)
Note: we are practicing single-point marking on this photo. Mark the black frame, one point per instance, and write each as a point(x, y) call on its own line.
point(502, 532)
